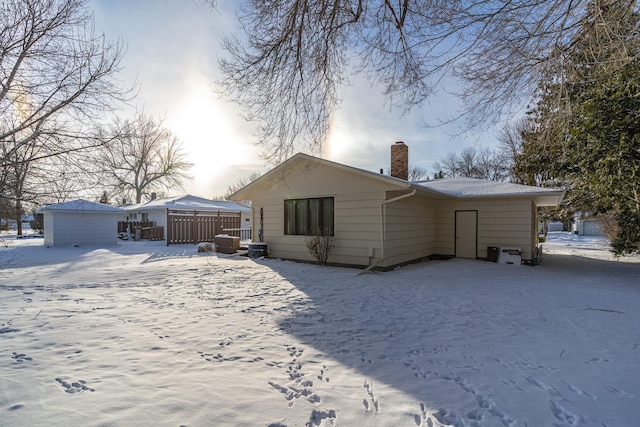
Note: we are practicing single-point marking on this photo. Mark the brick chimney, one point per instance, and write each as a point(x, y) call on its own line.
point(400, 160)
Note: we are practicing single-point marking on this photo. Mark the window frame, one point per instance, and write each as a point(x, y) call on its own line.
point(304, 210)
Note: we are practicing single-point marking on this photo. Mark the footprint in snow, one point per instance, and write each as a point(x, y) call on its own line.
point(375, 403)
point(323, 374)
point(317, 417)
point(74, 387)
point(20, 357)
point(620, 392)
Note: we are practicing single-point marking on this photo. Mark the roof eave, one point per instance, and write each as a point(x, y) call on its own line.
point(244, 193)
point(547, 198)
point(84, 211)
point(550, 200)
point(430, 192)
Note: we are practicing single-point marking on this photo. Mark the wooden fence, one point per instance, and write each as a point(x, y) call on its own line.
point(148, 229)
point(192, 226)
point(123, 226)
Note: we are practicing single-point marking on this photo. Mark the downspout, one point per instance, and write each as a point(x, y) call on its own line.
point(382, 215)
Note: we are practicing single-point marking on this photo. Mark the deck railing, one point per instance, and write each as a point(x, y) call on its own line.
point(243, 233)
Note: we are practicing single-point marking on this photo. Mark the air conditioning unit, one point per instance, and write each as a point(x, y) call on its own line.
point(510, 256)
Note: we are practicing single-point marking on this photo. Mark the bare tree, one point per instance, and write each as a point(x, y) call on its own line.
point(483, 163)
point(447, 166)
point(510, 136)
point(467, 165)
point(493, 164)
point(321, 244)
point(241, 182)
point(16, 173)
point(57, 82)
point(145, 157)
point(511, 143)
point(418, 173)
point(68, 176)
point(297, 53)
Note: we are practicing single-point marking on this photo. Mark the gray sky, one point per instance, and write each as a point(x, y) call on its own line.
point(172, 49)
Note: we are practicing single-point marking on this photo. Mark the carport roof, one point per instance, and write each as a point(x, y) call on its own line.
point(474, 188)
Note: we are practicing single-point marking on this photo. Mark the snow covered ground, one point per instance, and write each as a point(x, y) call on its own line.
point(144, 334)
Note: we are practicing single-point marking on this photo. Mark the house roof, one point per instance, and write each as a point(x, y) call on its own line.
point(82, 205)
point(441, 188)
point(300, 160)
point(189, 202)
point(476, 188)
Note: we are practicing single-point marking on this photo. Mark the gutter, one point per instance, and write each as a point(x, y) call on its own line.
point(382, 216)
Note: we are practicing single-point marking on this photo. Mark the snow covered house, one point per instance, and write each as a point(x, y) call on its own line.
point(81, 222)
point(384, 221)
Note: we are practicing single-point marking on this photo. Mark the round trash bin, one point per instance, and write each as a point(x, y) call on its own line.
point(257, 250)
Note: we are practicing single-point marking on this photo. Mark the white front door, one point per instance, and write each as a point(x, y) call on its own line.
point(466, 234)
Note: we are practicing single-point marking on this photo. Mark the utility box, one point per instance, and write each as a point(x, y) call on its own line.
point(510, 256)
point(226, 244)
point(258, 250)
point(493, 252)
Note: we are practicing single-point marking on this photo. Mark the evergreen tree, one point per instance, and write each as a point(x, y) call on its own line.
point(585, 129)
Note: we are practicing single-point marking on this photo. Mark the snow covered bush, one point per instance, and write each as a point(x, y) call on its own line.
point(205, 247)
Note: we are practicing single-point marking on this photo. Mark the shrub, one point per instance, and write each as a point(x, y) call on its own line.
point(320, 245)
point(609, 225)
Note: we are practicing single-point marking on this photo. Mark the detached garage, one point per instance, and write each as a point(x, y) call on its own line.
point(81, 222)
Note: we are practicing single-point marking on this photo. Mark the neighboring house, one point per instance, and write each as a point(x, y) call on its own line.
point(555, 226)
point(383, 221)
point(81, 222)
point(155, 210)
point(586, 225)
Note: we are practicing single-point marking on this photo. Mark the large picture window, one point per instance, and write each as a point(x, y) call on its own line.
point(307, 217)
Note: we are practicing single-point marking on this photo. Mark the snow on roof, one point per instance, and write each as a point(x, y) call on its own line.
point(189, 202)
point(472, 187)
point(82, 205)
point(299, 160)
point(450, 187)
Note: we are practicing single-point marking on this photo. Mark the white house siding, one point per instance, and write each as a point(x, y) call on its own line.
point(357, 201)
point(587, 227)
point(504, 222)
point(158, 216)
point(82, 228)
point(50, 232)
point(357, 226)
point(245, 219)
point(410, 230)
point(555, 226)
point(535, 232)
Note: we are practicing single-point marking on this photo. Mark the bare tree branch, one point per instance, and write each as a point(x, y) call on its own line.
point(297, 53)
point(58, 82)
point(144, 157)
